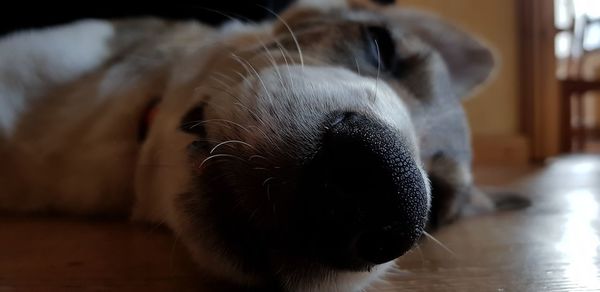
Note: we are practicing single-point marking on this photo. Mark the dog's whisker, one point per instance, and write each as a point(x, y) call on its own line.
point(238, 103)
point(200, 123)
point(224, 87)
point(245, 79)
point(253, 113)
point(250, 70)
point(220, 155)
point(262, 132)
point(420, 251)
point(196, 124)
point(225, 90)
point(266, 160)
point(287, 26)
point(220, 107)
point(257, 156)
point(271, 58)
point(230, 142)
point(374, 97)
point(266, 181)
point(243, 106)
point(224, 76)
point(357, 65)
point(285, 54)
point(439, 243)
point(257, 38)
point(172, 253)
point(262, 82)
point(394, 268)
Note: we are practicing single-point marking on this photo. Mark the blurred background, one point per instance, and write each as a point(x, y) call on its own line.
point(544, 100)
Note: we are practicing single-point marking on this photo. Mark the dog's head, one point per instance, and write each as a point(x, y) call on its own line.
point(308, 161)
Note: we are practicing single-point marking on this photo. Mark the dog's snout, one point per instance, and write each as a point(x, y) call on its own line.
point(368, 193)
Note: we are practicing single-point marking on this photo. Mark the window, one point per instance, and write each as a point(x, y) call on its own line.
point(578, 25)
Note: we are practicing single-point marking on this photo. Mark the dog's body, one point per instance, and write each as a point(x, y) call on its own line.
point(75, 136)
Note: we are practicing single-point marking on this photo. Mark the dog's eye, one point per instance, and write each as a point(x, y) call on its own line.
point(384, 2)
point(382, 53)
point(381, 50)
point(192, 121)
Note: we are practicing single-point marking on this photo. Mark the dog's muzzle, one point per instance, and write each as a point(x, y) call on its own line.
point(362, 200)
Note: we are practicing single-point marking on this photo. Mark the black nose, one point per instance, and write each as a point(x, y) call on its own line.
point(367, 200)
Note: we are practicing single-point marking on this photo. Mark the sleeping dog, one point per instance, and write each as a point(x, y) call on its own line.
point(304, 153)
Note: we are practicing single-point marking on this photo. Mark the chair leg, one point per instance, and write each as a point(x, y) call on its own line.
point(581, 128)
point(566, 136)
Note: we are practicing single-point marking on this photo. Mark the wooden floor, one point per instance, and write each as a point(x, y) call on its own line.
point(552, 246)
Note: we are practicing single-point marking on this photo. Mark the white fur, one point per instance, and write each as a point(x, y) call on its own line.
point(96, 178)
point(88, 172)
point(31, 62)
point(348, 282)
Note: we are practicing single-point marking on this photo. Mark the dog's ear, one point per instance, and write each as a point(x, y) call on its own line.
point(470, 63)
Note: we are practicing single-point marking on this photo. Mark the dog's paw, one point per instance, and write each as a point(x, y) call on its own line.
point(506, 201)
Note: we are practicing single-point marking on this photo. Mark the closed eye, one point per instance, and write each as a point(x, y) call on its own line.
point(382, 53)
point(381, 50)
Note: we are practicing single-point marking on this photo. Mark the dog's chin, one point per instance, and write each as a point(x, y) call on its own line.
point(327, 279)
point(286, 275)
point(232, 255)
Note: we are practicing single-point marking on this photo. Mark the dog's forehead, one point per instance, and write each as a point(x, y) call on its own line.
point(313, 80)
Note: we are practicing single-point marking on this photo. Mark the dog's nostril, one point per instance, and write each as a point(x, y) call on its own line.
point(367, 178)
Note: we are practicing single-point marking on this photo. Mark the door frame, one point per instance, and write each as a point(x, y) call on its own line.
point(539, 90)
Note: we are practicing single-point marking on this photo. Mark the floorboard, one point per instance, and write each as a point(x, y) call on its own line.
point(551, 246)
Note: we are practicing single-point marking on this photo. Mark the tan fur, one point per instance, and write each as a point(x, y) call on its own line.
point(75, 148)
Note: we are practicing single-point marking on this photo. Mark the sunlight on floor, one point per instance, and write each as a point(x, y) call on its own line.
point(552, 246)
point(580, 243)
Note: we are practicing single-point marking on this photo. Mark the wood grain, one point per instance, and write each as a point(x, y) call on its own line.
point(552, 246)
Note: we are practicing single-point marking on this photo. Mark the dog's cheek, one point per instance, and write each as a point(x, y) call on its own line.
point(451, 188)
point(443, 198)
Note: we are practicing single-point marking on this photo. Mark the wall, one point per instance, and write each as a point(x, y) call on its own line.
point(494, 110)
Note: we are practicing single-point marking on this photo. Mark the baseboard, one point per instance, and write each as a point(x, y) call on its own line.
point(501, 150)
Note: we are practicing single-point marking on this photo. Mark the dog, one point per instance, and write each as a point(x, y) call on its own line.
point(304, 153)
